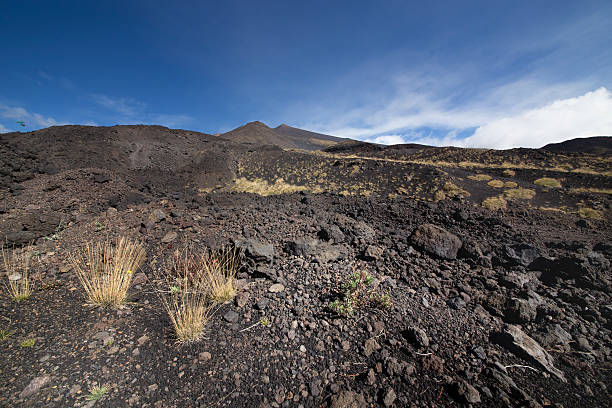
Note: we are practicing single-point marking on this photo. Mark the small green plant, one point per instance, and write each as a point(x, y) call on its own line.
point(27, 343)
point(100, 227)
point(4, 334)
point(264, 321)
point(97, 392)
point(58, 230)
point(358, 291)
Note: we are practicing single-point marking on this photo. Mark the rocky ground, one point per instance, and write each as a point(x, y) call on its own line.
point(504, 308)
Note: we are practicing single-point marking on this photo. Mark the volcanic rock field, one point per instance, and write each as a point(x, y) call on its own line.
point(486, 274)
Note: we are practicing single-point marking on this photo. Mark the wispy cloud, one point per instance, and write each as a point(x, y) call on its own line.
point(122, 106)
point(3, 129)
point(32, 119)
point(558, 88)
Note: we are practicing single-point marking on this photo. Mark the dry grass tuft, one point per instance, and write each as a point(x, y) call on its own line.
point(480, 177)
point(494, 203)
point(221, 268)
point(17, 268)
point(184, 289)
point(548, 182)
point(263, 188)
point(586, 212)
point(496, 183)
point(450, 190)
point(509, 173)
point(510, 184)
point(105, 270)
point(520, 192)
point(591, 190)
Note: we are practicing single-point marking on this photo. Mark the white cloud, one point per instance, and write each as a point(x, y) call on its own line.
point(3, 129)
point(582, 116)
point(31, 119)
point(387, 139)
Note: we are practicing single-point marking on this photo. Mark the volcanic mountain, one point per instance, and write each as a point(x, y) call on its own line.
point(283, 136)
point(364, 275)
point(600, 145)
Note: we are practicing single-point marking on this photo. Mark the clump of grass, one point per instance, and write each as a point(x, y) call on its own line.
point(105, 270)
point(4, 334)
point(547, 182)
point(27, 343)
point(509, 173)
point(263, 188)
point(587, 212)
point(494, 203)
point(17, 268)
point(480, 177)
point(496, 183)
point(591, 190)
point(221, 268)
point(97, 392)
point(450, 190)
point(523, 193)
point(510, 184)
point(359, 291)
point(184, 289)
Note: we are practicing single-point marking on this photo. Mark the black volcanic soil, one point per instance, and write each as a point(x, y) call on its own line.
point(457, 275)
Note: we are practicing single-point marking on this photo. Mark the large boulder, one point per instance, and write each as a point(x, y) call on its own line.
point(258, 252)
point(436, 241)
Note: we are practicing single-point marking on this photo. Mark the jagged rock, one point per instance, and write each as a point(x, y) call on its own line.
point(417, 336)
point(465, 393)
point(302, 247)
point(34, 386)
point(169, 237)
point(437, 241)
point(157, 215)
point(258, 252)
point(513, 338)
point(331, 233)
point(520, 310)
point(372, 253)
point(522, 254)
point(347, 399)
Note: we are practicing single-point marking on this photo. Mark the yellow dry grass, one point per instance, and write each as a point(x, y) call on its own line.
point(496, 183)
point(510, 184)
point(523, 193)
point(494, 203)
point(480, 177)
point(184, 288)
point(263, 188)
point(17, 268)
point(221, 268)
point(591, 190)
point(547, 182)
point(509, 173)
point(586, 212)
point(105, 270)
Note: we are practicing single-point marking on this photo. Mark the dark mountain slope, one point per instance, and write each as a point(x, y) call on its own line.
point(284, 136)
point(600, 145)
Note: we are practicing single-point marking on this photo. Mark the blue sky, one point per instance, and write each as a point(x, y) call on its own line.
point(470, 73)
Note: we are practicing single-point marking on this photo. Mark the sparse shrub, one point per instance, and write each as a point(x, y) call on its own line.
point(221, 268)
point(494, 203)
point(547, 182)
point(510, 184)
point(4, 334)
point(480, 177)
point(524, 193)
point(450, 190)
point(359, 291)
point(509, 173)
point(97, 392)
point(586, 212)
point(496, 183)
point(27, 343)
point(184, 289)
point(17, 268)
point(105, 271)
